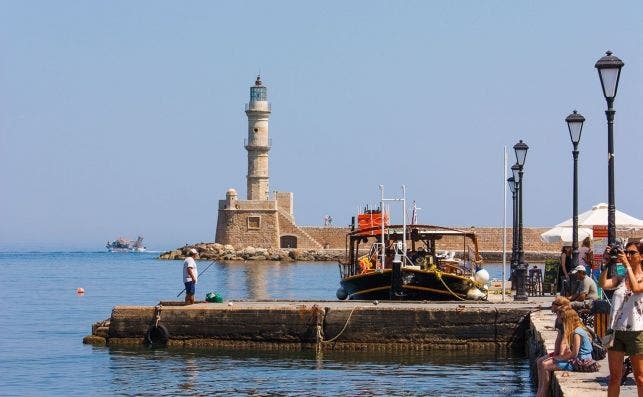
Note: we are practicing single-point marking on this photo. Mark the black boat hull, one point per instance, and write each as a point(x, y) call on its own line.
point(416, 285)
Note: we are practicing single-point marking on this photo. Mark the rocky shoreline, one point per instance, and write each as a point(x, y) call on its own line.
point(220, 252)
point(216, 251)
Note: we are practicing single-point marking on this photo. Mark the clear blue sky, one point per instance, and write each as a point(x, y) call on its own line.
point(125, 118)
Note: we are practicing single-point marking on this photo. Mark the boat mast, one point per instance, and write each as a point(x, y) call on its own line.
point(403, 220)
point(403, 200)
point(382, 214)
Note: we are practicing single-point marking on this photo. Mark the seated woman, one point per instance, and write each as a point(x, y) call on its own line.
point(580, 346)
point(557, 307)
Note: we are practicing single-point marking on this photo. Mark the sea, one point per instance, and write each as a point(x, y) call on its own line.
point(43, 321)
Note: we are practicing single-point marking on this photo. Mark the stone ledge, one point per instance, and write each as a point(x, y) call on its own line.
point(327, 325)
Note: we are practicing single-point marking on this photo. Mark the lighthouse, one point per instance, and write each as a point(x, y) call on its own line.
point(261, 221)
point(258, 144)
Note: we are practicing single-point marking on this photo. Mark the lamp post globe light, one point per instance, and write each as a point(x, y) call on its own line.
point(521, 155)
point(609, 72)
point(575, 126)
point(511, 181)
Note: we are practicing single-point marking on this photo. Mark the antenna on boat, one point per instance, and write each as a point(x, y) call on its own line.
point(404, 219)
point(382, 213)
point(403, 200)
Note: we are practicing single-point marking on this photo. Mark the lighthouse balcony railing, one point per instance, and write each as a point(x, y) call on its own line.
point(260, 106)
point(257, 145)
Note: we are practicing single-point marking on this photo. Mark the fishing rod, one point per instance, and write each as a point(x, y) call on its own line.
point(206, 269)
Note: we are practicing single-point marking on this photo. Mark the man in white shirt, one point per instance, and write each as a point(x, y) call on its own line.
point(190, 275)
point(586, 291)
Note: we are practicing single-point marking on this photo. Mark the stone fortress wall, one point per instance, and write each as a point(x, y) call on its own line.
point(490, 239)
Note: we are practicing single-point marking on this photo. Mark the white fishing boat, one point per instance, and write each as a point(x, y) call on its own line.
point(122, 244)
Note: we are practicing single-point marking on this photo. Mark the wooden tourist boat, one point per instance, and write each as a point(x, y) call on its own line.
point(403, 262)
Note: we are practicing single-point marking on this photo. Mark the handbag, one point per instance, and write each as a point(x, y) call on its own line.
point(584, 365)
point(598, 350)
point(608, 341)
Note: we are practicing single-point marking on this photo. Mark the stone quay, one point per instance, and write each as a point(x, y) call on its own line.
point(353, 326)
point(325, 325)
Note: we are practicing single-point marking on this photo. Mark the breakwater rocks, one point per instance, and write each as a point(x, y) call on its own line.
point(215, 251)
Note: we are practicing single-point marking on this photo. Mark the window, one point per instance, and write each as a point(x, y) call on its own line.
point(254, 222)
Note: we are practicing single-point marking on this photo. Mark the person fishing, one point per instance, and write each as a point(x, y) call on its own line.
point(190, 275)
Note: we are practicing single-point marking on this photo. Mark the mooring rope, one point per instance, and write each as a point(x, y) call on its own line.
point(157, 314)
point(438, 274)
point(320, 338)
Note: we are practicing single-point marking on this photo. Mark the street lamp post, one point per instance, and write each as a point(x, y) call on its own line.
point(521, 154)
point(609, 71)
point(511, 181)
point(575, 126)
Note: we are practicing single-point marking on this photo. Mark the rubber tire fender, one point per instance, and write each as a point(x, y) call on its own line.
point(157, 336)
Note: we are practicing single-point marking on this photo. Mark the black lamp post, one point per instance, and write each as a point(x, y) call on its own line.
point(511, 181)
point(609, 71)
point(521, 154)
point(575, 126)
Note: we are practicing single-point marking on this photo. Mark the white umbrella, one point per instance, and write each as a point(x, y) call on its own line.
point(563, 235)
point(598, 216)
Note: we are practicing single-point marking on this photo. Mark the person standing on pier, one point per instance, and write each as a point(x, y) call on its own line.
point(586, 255)
point(190, 275)
point(564, 271)
point(626, 316)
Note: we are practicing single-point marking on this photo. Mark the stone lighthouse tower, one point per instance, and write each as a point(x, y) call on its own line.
point(258, 143)
point(261, 221)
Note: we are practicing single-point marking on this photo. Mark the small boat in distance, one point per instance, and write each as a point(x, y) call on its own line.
point(122, 244)
point(405, 262)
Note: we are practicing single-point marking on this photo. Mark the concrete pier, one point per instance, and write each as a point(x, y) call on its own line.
point(329, 325)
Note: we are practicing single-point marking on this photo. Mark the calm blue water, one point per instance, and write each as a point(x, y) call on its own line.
point(43, 321)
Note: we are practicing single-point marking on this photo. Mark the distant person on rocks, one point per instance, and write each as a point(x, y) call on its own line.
point(330, 220)
point(190, 275)
point(326, 220)
point(586, 291)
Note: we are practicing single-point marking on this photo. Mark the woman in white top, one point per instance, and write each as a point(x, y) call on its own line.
point(626, 318)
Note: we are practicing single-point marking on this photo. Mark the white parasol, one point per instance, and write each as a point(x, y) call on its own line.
point(598, 216)
point(563, 235)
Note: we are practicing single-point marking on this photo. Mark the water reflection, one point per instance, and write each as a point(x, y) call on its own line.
point(266, 280)
point(191, 372)
point(196, 372)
